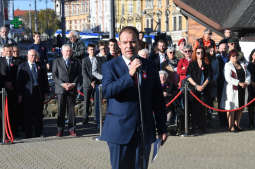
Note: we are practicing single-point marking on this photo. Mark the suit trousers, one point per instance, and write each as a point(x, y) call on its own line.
point(33, 113)
point(66, 103)
point(126, 156)
point(88, 93)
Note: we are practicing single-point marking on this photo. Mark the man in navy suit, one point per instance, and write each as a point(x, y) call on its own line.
point(32, 86)
point(122, 123)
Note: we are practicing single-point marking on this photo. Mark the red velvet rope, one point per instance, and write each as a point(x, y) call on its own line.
point(7, 125)
point(179, 93)
point(220, 110)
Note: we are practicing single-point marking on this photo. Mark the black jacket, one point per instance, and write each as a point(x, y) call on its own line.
point(25, 80)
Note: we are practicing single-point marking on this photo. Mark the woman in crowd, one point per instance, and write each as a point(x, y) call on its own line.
point(237, 78)
point(170, 66)
point(198, 75)
point(184, 63)
point(169, 91)
point(251, 88)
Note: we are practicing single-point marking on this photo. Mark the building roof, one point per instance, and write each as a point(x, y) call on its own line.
point(220, 14)
point(19, 12)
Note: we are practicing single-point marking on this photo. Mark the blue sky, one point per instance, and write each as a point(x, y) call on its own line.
point(41, 4)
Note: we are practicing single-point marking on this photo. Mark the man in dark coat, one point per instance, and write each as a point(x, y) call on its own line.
point(33, 87)
point(8, 71)
point(91, 73)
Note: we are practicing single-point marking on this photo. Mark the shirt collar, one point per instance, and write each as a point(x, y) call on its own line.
point(127, 61)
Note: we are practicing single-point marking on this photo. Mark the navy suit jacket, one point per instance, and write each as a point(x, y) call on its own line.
point(122, 116)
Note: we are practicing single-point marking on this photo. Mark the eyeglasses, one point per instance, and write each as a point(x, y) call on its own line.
point(187, 51)
point(199, 53)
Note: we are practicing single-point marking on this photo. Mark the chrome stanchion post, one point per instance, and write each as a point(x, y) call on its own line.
point(3, 112)
point(186, 107)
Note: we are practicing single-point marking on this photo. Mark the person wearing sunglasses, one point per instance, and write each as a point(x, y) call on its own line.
point(184, 63)
point(198, 76)
point(233, 96)
point(206, 41)
point(233, 43)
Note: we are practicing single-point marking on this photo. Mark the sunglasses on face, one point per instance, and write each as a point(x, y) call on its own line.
point(171, 52)
point(199, 53)
point(187, 51)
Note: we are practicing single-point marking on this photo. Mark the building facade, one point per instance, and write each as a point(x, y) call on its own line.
point(152, 16)
point(76, 14)
point(100, 15)
point(145, 15)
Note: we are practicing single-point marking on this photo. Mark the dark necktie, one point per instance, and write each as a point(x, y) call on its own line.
point(34, 73)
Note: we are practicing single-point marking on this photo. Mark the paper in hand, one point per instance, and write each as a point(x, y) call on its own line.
point(156, 146)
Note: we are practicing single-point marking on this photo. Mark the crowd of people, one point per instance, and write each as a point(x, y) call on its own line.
point(215, 72)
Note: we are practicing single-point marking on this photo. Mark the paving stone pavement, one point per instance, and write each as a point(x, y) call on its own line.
point(217, 149)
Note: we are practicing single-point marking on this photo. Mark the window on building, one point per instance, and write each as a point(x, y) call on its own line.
point(138, 6)
point(174, 23)
point(77, 9)
point(130, 7)
point(73, 9)
point(167, 25)
point(86, 6)
point(122, 9)
point(180, 23)
point(151, 23)
point(149, 4)
point(159, 25)
point(147, 23)
point(159, 4)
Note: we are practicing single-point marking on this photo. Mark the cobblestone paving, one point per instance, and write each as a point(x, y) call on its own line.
point(211, 151)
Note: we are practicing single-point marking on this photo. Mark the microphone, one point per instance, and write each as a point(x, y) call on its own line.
point(139, 69)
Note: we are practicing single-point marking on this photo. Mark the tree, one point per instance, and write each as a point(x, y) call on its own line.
point(48, 21)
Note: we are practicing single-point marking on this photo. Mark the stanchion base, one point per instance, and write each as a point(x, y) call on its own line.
point(186, 135)
point(97, 138)
point(6, 142)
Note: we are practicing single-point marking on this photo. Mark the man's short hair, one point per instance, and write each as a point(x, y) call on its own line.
point(7, 46)
point(91, 45)
point(64, 46)
point(112, 40)
point(161, 41)
point(130, 29)
point(101, 43)
point(36, 33)
point(141, 32)
point(2, 27)
point(15, 46)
